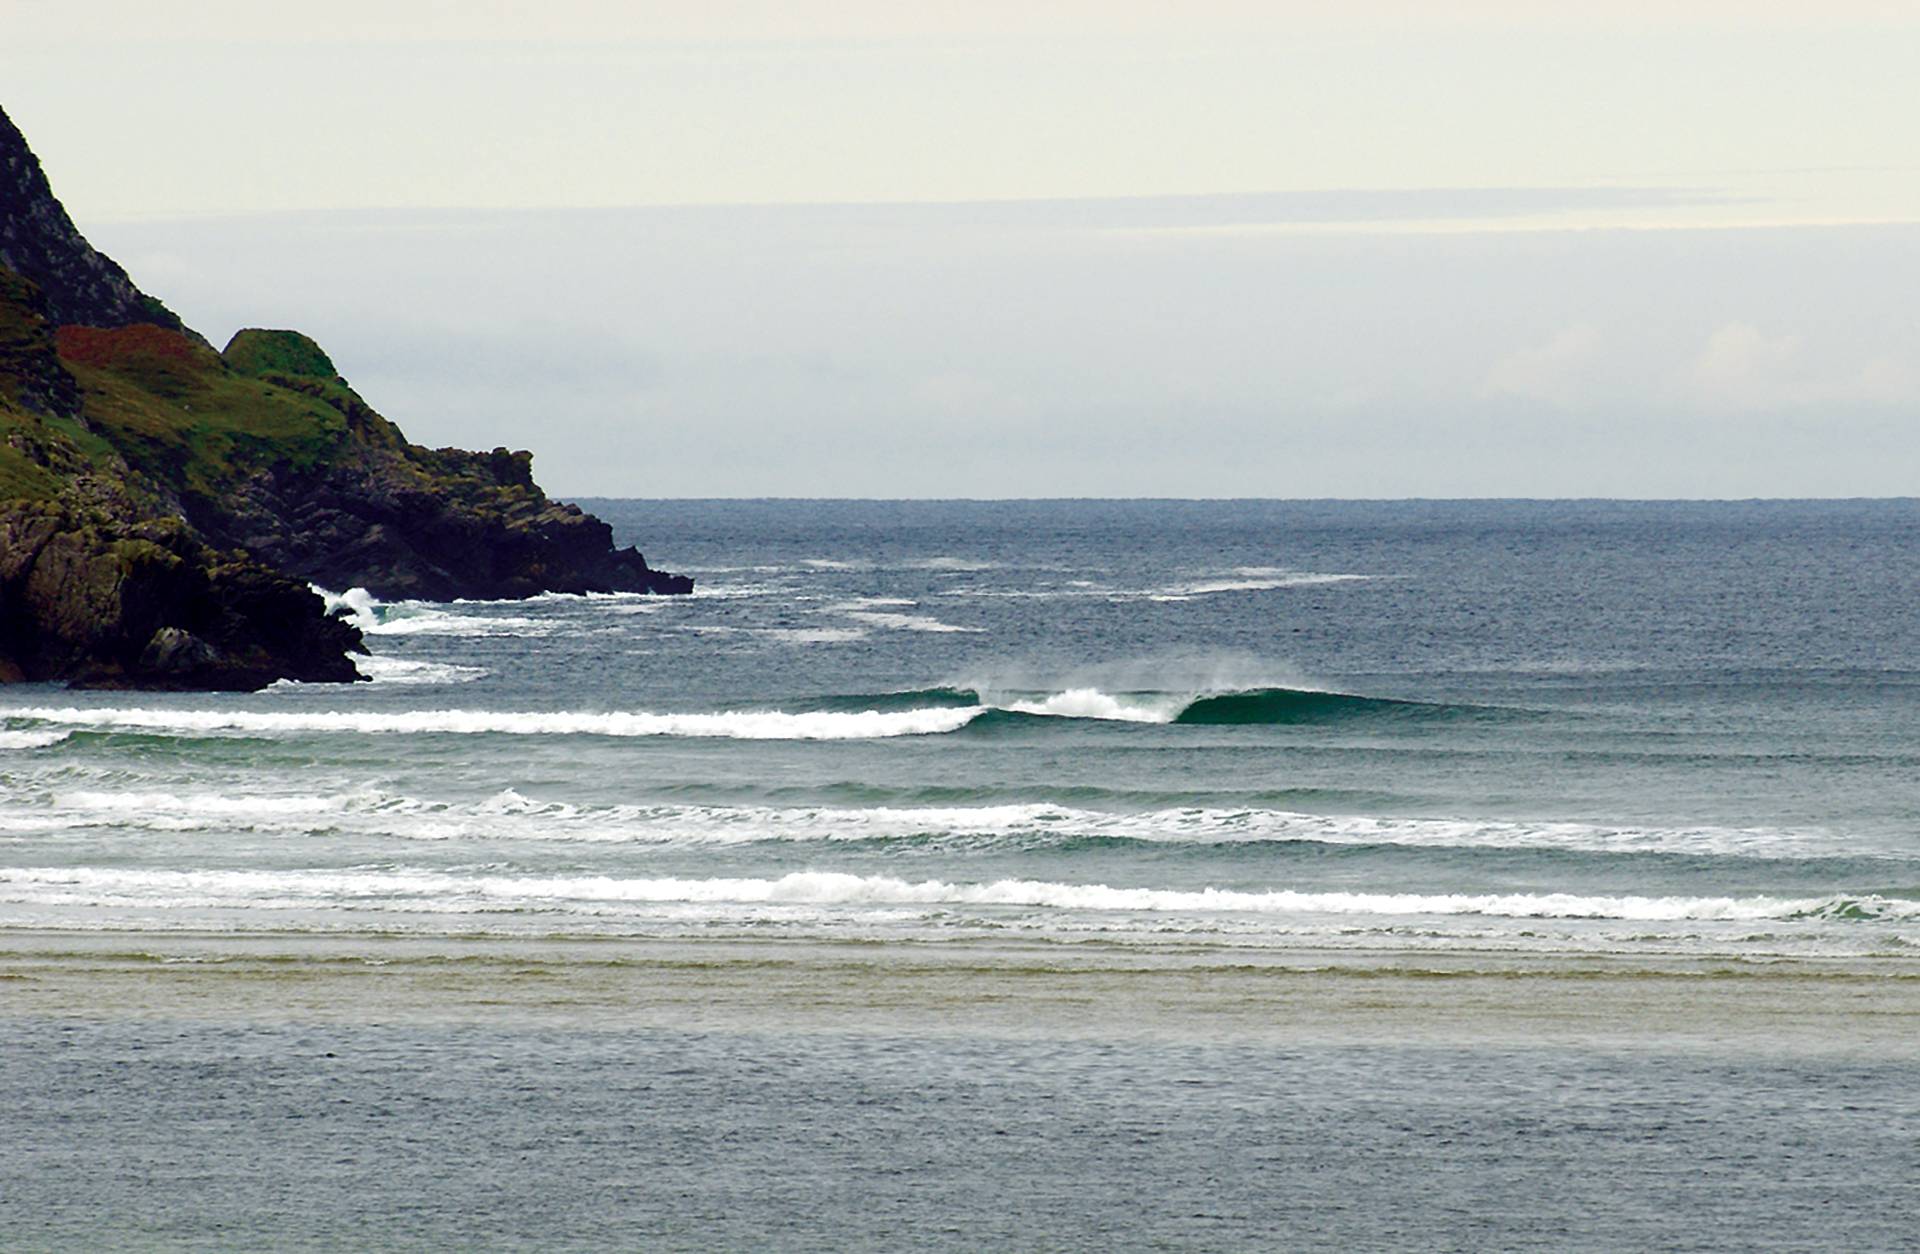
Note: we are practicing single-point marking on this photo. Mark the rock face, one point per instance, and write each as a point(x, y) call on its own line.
point(162, 506)
point(150, 606)
point(402, 520)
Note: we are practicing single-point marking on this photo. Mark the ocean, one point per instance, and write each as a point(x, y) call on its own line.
point(1051, 874)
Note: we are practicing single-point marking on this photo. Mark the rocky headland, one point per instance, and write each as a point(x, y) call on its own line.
point(164, 507)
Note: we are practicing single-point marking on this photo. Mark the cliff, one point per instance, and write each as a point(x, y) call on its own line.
point(152, 490)
point(38, 240)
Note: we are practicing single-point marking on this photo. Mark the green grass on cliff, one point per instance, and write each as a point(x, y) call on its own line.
point(264, 354)
point(146, 420)
point(20, 475)
point(179, 413)
point(38, 454)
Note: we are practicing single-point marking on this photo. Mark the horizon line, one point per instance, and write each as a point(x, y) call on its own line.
point(1265, 500)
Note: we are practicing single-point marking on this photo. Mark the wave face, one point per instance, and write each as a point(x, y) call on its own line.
point(1287, 706)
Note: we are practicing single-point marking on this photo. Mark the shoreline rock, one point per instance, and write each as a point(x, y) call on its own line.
point(150, 606)
point(163, 506)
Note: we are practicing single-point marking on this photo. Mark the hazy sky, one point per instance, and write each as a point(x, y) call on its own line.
point(1374, 248)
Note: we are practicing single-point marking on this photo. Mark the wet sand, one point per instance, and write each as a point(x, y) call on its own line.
point(1868, 1007)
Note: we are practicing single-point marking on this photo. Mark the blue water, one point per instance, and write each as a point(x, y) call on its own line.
point(1564, 727)
point(1568, 740)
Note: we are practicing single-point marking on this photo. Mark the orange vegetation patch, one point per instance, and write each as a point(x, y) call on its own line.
point(119, 346)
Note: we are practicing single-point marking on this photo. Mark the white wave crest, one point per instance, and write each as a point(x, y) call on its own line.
point(31, 739)
point(1252, 579)
point(955, 564)
point(1093, 703)
point(375, 617)
point(200, 803)
point(907, 622)
point(408, 621)
point(396, 670)
point(813, 635)
point(417, 889)
point(514, 817)
point(735, 724)
point(356, 605)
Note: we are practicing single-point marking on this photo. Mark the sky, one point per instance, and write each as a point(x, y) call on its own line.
point(1378, 248)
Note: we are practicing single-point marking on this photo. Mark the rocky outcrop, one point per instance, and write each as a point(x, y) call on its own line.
point(150, 606)
point(163, 506)
point(406, 521)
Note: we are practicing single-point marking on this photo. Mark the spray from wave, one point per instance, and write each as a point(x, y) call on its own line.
point(1252, 706)
point(375, 617)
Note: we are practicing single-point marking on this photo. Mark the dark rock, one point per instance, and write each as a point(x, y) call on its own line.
point(175, 651)
point(154, 607)
point(31, 375)
point(429, 523)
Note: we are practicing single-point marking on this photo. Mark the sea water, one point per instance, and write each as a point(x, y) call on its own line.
point(1069, 800)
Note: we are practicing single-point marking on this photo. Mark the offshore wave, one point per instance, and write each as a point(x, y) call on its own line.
point(918, 712)
point(1296, 705)
point(1250, 706)
point(437, 891)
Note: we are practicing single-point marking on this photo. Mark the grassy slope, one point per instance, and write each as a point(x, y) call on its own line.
point(56, 441)
point(178, 413)
point(142, 422)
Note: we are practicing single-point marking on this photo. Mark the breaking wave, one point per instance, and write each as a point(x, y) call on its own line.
point(1268, 706)
point(735, 725)
point(394, 670)
point(916, 712)
point(31, 739)
point(375, 617)
point(1199, 831)
point(446, 892)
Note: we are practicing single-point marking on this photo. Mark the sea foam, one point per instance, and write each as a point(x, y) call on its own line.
point(510, 816)
point(414, 889)
point(394, 670)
